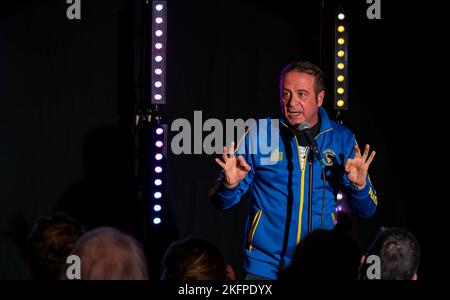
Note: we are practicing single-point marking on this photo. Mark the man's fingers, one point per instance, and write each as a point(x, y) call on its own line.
point(243, 163)
point(357, 151)
point(366, 152)
point(231, 149)
point(220, 163)
point(372, 155)
point(224, 154)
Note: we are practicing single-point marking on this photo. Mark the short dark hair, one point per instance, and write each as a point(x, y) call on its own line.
point(399, 252)
point(50, 242)
point(324, 254)
point(308, 68)
point(193, 259)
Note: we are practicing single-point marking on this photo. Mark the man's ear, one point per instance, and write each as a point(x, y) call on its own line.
point(320, 97)
point(414, 277)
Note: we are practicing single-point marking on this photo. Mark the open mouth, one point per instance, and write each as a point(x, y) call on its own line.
point(294, 113)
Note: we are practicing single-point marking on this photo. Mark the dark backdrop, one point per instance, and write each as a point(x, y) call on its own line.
point(69, 92)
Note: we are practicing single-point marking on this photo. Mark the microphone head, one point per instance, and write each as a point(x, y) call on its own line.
point(304, 126)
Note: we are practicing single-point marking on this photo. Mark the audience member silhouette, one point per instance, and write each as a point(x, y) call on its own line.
point(107, 253)
point(50, 243)
point(399, 253)
point(195, 259)
point(324, 255)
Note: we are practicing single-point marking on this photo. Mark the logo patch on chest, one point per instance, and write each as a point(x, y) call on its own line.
point(330, 156)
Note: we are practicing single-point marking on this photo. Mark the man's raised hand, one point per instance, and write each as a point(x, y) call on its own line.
point(235, 168)
point(357, 167)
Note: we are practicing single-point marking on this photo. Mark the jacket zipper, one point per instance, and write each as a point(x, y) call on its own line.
point(302, 184)
point(253, 229)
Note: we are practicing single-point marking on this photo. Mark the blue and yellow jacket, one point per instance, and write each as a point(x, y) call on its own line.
point(278, 186)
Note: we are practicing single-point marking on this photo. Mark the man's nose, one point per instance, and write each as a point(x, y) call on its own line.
point(293, 101)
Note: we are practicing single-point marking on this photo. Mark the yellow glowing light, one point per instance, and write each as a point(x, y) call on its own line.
point(340, 78)
point(341, 53)
point(341, 28)
point(341, 41)
point(340, 91)
point(340, 103)
point(340, 66)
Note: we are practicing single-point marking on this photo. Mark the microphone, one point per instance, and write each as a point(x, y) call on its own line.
point(305, 129)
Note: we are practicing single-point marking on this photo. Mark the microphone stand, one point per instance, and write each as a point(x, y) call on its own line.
point(314, 152)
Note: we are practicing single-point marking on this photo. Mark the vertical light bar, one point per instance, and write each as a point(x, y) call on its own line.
point(341, 61)
point(159, 51)
point(158, 169)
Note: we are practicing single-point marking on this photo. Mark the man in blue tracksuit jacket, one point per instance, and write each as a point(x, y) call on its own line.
point(278, 180)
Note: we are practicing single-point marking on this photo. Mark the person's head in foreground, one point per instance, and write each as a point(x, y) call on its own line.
point(49, 243)
point(195, 259)
point(109, 254)
point(324, 255)
point(399, 253)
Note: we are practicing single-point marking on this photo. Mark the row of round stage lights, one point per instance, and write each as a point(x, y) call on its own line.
point(157, 195)
point(341, 55)
point(158, 64)
point(158, 70)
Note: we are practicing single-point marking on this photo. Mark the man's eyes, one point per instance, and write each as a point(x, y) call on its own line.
point(285, 94)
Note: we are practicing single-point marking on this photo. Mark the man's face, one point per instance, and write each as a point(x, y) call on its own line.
point(298, 99)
